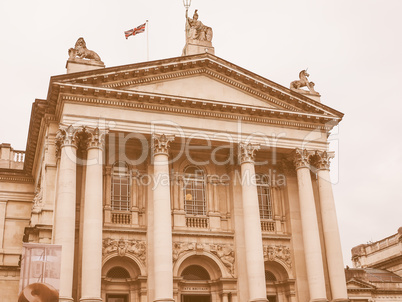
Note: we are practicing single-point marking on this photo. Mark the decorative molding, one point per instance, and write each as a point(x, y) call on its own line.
point(257, 117)
point(137, 248)
point(67, 136)
point(247, 152)
point(225, 252)
point(322, 159)
point(278, 252)
point(16, 178)
point(38, 201)
point(301, 158)
point(161, 143)
point(95, 138)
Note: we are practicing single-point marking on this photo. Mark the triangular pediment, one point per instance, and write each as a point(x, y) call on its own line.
point(205, 77)
point(204, 87)
point(355, 283)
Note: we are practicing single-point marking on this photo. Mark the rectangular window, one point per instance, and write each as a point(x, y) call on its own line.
point(120, 188)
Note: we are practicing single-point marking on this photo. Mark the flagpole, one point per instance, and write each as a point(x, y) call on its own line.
point(147, 41)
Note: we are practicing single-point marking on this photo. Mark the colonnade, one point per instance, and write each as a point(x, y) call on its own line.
point(68, 139)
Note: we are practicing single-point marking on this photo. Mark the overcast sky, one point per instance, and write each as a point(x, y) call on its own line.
point(353, 51)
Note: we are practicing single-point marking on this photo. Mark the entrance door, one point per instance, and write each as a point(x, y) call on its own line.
point(117, 298)
point(195, 298)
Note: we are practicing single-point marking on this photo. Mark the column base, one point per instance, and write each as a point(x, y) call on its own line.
point(66, 299)
point(319, 300)
point(340, 300)
point(259, 300)
point(164, 300)
point(91, 300)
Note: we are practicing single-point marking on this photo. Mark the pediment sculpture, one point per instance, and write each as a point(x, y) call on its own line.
point(303, 82)
point(196, 30)
point(80, 51)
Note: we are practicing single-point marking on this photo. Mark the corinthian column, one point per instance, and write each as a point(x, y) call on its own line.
point(330, 228)
point(67, 142)
point(252, 225)
point(311, 236)
point(92, 222)
point(162, 256)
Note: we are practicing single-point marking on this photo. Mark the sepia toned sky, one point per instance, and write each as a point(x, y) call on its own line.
point(352, 49)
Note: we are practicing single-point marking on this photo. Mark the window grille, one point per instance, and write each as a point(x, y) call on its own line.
point(264, 197)
point(194, 191)
point(121, 185)
point(269, 277)
point(195, 272)
point(118, 272)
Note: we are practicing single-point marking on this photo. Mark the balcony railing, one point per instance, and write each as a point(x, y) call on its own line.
point(197, 222)
point(267, 225)
point(121, 218)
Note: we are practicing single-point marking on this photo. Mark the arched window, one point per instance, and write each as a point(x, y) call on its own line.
point(264, 197)
point(120, 187)
point(194, 191)
point(118, 272)
point(195, 272)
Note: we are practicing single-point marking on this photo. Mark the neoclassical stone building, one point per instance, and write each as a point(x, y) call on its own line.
point(183, 179)
point(377, 272)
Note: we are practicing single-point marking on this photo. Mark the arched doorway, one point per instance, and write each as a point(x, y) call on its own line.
point(121, 280)
point(195, 284)
point(200, 275)
point(279, 286)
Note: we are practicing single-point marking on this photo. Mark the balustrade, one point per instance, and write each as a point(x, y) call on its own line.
point(197, 222)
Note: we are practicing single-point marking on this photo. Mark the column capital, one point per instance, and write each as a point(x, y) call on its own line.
point(247, 152)
point(67, 136)
point(161, 143)
point(95, 137)
point(322, 159)
point(301, 158)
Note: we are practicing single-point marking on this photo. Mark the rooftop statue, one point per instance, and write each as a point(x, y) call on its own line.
point(296, 85)
point(81, 51)
point(196, 30)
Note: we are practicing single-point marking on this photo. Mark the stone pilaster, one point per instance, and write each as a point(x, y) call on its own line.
point(92, 222)
point(330, 227)
point(311, 236)
point(162, 254)
point(252, 224)
point(66, 149)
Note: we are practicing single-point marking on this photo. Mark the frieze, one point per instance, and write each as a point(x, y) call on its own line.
point(278, 252)
point(123, 247)
point(224, 252)
point(310, 119)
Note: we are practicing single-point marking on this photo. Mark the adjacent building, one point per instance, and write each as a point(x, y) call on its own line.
point(377, 272)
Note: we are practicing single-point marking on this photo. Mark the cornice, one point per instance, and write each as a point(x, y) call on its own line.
point(8, 175)
point(194, 107)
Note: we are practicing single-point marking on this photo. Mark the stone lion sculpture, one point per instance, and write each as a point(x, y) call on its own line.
point(81, 51)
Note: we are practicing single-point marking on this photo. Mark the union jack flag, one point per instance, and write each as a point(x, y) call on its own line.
point(134, 31)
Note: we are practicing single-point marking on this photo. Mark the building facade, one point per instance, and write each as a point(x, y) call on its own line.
point(377, 272)
point(183, 179)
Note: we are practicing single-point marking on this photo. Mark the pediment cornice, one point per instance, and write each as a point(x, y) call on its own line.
point(190, 106)
point(209, 65)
